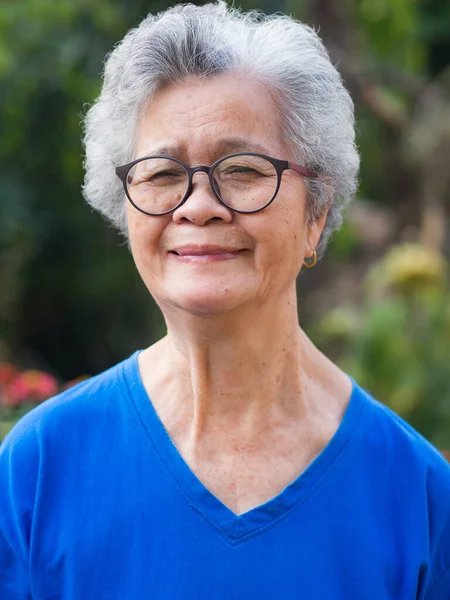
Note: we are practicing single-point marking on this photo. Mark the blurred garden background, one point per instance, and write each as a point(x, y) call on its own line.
point(71, 302)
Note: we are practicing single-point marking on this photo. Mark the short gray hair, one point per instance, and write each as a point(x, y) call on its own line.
point(189, 40)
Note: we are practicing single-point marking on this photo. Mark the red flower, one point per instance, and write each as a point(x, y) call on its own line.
point(31, 385)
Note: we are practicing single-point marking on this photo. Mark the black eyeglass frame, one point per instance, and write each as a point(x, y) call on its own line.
point(280, 167)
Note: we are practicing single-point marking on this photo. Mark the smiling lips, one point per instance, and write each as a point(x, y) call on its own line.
point(205, 253)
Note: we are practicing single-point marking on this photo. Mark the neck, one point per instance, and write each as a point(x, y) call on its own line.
point(240, 372)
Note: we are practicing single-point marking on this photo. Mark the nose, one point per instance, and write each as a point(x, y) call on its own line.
point(202, 206)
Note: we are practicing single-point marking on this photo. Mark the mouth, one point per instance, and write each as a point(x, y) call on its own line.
point(206, 253)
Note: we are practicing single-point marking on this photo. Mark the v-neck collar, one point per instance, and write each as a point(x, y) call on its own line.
point(237, 528)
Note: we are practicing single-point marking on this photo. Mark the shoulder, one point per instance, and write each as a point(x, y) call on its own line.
point(57, 433)
point(414, 471)
point(394, 438)
point(70, 411)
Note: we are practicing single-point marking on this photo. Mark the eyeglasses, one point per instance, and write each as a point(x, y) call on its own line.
point(245, 182)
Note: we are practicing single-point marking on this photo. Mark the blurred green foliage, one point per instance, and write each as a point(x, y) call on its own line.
point(71, 301)
point(68, 290)
point(396, 343)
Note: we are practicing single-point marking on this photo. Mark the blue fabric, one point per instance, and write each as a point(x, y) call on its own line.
point(96, 503)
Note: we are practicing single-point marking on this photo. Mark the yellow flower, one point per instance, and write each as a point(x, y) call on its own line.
point(411, 266)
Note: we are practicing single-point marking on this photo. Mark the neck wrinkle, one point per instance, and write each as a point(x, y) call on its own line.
point(245, 373)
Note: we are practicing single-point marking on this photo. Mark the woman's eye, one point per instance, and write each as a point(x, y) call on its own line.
point(163, 174)
point(160, 177)
point(143, 178)
point(241, 169)
point(238, 170)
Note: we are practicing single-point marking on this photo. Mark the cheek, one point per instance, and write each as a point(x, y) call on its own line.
point(281, 243)
point(289, 249)
point(145, 235)
point(292, 202)
point(289, 235)
point(134, 225)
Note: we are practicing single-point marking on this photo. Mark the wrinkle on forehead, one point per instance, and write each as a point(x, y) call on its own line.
point(222, 147)
point(222, 115)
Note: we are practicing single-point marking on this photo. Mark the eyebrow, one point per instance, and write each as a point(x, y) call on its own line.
point(226, 146)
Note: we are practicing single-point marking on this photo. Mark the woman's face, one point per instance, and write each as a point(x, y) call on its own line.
point(203, 258)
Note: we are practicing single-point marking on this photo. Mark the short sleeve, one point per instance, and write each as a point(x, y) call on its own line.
point(18, 473)
point(438, 587)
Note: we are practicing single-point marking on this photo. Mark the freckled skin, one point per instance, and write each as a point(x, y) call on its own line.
point(196, 116)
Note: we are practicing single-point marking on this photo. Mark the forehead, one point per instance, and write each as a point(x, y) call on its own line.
point(223, 114)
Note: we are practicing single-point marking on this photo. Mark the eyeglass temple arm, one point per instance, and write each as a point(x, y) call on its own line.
point(300, 169)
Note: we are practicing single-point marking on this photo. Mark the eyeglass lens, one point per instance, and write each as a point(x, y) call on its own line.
point(243, 182)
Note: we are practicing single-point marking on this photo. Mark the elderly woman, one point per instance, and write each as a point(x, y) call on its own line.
point(231, 459)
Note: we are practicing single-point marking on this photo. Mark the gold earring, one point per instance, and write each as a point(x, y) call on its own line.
point(314, 260)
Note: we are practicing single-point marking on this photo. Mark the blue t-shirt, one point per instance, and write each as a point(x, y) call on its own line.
point(96, 503)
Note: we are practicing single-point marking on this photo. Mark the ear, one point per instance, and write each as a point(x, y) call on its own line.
point(315, 229)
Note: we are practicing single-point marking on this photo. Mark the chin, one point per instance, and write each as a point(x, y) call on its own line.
point(206, 303)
